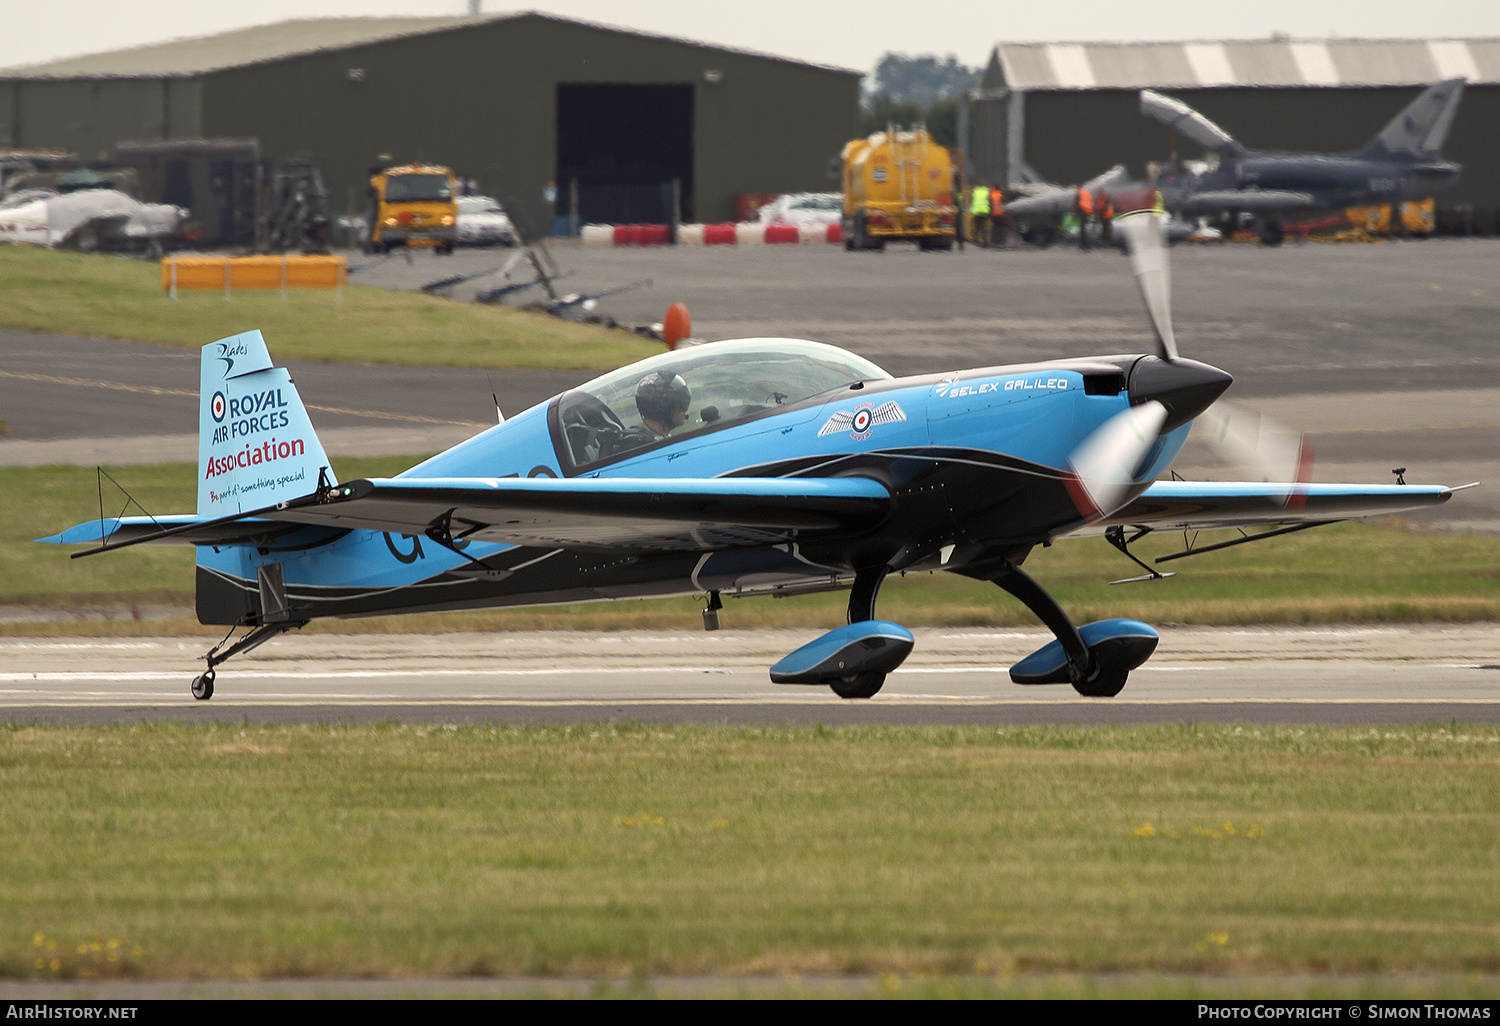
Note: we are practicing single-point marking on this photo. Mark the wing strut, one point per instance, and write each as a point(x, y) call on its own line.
point(1240, 541)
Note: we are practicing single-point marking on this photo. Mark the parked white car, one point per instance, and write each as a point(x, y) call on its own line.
point(482, 222)
point(810, 209)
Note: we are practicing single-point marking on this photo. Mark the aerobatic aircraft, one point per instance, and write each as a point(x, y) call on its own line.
point(750, 467)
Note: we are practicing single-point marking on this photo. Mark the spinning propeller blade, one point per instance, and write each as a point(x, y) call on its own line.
point(1145, 235)
point(1105, 463)
point(1248, 439)
point(1259, 443)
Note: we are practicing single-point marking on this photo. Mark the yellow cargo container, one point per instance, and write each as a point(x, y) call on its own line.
point(898, 186)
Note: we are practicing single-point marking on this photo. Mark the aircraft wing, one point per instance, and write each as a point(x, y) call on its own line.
point(1203, 505)
point(1179, 117)
point(1195, 203)
point(675, 514)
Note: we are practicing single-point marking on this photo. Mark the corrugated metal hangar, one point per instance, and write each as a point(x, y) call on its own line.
point(515, 101)
point(1069, 111)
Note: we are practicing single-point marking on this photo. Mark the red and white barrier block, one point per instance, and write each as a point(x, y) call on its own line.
point(745, 233)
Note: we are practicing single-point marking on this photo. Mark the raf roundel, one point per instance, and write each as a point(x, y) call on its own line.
point(217, 406)
point(861, 422)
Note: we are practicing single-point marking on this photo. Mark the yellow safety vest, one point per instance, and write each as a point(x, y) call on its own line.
point(979, 202)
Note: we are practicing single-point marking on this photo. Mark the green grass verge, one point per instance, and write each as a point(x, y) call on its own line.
point(115, 297)
point(1343, 573)
point(182, 851)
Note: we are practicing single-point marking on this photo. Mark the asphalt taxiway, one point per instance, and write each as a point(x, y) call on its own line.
point(1281, 675)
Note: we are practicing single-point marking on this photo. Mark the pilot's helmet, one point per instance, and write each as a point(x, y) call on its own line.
point(660, 397)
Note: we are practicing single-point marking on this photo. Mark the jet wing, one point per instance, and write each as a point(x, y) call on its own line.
point(1181, 118)
point(673, 514)
point(1201, 505)
point(1261, 200)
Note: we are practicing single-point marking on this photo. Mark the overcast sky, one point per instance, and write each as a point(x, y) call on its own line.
point(847, 33)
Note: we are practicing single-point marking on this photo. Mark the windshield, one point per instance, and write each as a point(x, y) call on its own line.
point(478, 205)
point(699, 389)
point(417, 189)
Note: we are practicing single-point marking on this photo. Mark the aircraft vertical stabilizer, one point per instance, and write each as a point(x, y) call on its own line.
point(1420, 130)
point(256, 445)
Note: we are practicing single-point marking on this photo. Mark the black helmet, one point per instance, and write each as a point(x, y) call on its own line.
point(659, 397)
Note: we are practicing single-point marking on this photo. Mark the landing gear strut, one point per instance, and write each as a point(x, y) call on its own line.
point(203, 684)
point(862, 597)
point(1096, 659)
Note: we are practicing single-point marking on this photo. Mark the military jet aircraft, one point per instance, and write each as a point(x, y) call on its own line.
point(750, 467)
point(1402, 162)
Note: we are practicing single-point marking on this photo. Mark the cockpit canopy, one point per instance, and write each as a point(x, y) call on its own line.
point(727, 382)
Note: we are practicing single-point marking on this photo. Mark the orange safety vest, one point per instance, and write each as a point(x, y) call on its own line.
point(997, 203)
point(1085, 201)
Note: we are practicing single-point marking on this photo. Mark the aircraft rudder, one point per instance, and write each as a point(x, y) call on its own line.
point(256, 443)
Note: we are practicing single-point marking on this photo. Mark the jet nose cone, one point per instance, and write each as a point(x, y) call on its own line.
point(1185, 387)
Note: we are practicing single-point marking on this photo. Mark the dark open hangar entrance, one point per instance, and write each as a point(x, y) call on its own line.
point(625, 146)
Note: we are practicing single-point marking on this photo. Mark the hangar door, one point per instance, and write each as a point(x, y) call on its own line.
point(624, 145)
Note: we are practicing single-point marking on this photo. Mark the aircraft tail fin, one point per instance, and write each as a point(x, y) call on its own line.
point(256, 445)
point(1420, 130)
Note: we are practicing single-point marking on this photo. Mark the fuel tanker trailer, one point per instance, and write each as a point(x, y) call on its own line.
point(898, 186)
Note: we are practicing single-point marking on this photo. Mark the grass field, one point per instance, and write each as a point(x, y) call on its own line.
point(245, 852)
point(1344, 573)
point(115, 297)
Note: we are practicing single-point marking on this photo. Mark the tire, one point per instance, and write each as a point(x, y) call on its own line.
point(863, 685)
point(203, 686)
point(1105, 684)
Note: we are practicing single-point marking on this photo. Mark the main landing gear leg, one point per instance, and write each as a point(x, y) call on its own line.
point(1083, 671)
point(862, 597)
point(203, 684)
point(1096, 659)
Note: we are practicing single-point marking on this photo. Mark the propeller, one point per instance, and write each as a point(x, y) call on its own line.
point(1104, 465)
point(1253, 441)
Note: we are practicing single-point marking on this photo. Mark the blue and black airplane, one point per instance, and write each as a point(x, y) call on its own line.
point(753, 467)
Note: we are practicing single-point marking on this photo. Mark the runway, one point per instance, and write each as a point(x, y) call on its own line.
point(1332, 676)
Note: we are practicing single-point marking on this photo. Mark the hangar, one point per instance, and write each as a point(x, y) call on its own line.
point(1064, 112)
point(519, 102)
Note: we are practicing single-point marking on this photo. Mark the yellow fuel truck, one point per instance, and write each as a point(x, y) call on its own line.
point(414, 206)
point(898, 186)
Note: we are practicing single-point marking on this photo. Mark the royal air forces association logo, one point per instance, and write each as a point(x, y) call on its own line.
point(861, 421)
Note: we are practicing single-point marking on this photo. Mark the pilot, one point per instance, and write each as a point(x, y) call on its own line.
point(662, 400)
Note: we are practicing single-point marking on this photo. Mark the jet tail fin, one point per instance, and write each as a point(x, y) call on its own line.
point(256, 445)
point(1420, 130)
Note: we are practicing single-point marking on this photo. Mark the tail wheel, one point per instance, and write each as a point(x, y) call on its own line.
point(863, 685)
point(203, 686)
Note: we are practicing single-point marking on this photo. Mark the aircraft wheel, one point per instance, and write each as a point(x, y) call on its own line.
point(863, 685)
point(1105, 684)
point(203, 686)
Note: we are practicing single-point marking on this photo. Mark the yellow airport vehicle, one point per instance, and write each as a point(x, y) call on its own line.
point(414, 206)
point(898, 186)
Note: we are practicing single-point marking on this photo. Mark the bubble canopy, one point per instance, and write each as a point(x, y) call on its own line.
point(727, 382)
